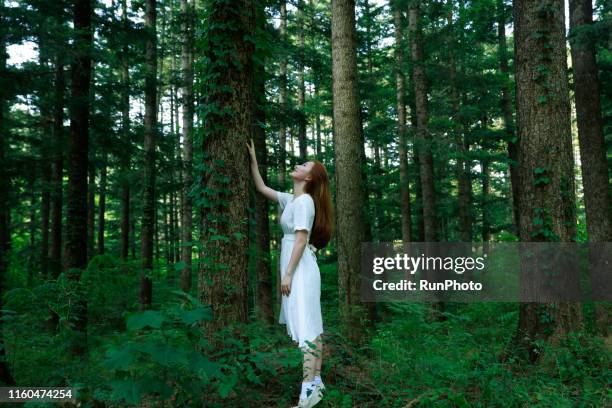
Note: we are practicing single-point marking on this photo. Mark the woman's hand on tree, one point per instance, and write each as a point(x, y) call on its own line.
point(286, 285)
point(251, 148)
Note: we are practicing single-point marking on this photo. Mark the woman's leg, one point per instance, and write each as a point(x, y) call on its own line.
point(319, 360)
point(310, 361)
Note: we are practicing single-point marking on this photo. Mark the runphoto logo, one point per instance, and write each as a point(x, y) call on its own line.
point(424, 263)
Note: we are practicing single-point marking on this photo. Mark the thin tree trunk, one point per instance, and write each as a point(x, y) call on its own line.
point(591, 138)
point(263, 302)
point(102, 203)
point(125, 130)
point(76, 198)
point(282, 168)
point(148, 202)
point(423, 137)
point(57, 174)
point(187, 10)
point(486, 223)
point(91, 208)
point(506, 106)
point(401, 126)
point(302, 122)
point(5, 185)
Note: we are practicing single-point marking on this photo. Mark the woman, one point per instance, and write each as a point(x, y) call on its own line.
point(306, 222)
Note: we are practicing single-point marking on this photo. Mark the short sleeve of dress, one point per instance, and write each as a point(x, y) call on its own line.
point(303, 213)
point(283, 199)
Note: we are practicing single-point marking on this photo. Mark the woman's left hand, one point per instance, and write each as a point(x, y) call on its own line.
point(286, 285)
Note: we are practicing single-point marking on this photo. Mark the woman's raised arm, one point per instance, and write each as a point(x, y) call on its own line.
point(268, 192)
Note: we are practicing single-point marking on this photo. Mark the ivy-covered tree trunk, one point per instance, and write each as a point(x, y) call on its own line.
point(76, 198)
point(593, 159)
point(188, 15)
point(423, 138)
point(545, 160)
point(349, 186)
point(150, 123)
point(400, 87)
point(223, 194)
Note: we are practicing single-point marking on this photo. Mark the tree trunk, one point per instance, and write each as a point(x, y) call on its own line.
point(91, 208)
point(282, 100)
point(102, 203)
point(150, 123)
point(546, 193)
point(591, 138)
point(125, 131)
point(187, 10)
point(506, 106)
point(302, 123)
point(486, 222)
point(223, 274)
point(401, 126)
point(264, 305)
point(5, 185)
point(423, 136)
point(349, 186)
point(76, 198)
point(57, 174)
point(461, 168)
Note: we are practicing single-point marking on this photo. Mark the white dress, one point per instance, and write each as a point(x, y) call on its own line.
point(301, 310)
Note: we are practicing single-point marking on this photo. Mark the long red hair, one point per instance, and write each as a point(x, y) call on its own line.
point(318, 188)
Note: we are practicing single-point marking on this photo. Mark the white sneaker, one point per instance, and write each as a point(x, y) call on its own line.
point(321, 389)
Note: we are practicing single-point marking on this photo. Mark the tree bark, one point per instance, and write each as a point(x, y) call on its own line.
point(302, 123)
point(348, 142)
point(506, 106)
point(91, 207)
point(102, 202)
point(223, 273)
point(401, 126)
point(57, 174)
point(593, 160)
point(545, 165)
point(125, 131)
point(76, 198)
point(423, 136)
point(187, 11)
point(150, 123)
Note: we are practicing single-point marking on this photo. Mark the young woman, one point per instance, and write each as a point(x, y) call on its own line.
point(306, 222)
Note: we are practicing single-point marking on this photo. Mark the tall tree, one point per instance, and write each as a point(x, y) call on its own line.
point(282, 100)
point(188, 15)
point(125, 131)
point(57, 175)
point(223, 274)
point(545, 160)
point(593, 160)
point(506, 106)
point(301, 22)
point(5, 184)
point(150, 123)
point(76, 199)
point(401, 125)
point(423, 138)
point(264, 305)
point(349, 163)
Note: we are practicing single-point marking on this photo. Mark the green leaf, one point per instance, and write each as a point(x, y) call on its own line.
point(117, 359)
point(150, 318)
point(195, 315)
